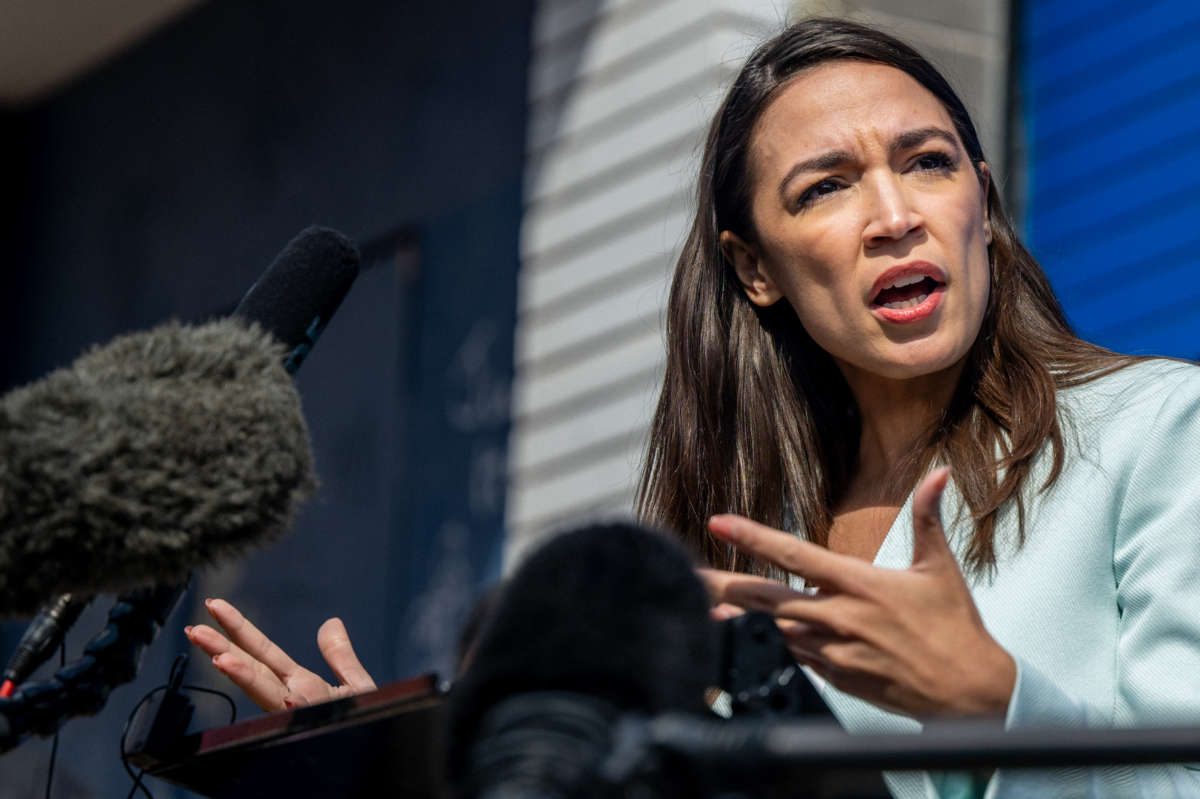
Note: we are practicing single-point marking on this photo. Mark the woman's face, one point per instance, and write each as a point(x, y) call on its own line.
point(869, 218)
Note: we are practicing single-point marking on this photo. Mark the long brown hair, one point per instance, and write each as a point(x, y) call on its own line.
point(754, 418)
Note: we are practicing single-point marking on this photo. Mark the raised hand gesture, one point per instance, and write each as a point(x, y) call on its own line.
point(910, 641)
point(265, 672)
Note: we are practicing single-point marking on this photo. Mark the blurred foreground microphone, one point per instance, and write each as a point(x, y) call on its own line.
point(598, 622)
point(168, 449)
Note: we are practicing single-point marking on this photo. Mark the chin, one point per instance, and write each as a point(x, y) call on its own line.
point(910, 363)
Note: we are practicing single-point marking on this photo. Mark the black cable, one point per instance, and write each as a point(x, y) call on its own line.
point(137, 781)
point(110, 659)
point(174, 679)
point(50, 770)
point(62, 661)
point(137, 778)
point(175, 675)
point(222, 694)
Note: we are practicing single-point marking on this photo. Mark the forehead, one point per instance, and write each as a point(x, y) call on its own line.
point(843, 105)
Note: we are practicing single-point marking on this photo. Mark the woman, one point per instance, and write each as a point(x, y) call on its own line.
point(855, 330)
point(851, 309)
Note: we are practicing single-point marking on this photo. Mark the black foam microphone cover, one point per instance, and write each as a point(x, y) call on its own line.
point(301, 289)
point(613, 613)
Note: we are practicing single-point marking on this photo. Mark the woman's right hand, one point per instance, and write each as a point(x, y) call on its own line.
point(265, 672)
point(909, 640)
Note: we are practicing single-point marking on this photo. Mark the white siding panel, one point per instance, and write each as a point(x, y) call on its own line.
point(549, 226)
point(604, 510)
point(674, 127)
point(638, 303)
point(541, 446)
point(628, 35)
point(593, 103)
point(540, 391)
point(655, 240)
point(542, 503)
point(613, 41)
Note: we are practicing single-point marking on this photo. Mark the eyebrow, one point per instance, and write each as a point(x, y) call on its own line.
point(835, 158)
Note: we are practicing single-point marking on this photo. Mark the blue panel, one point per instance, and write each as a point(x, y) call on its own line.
point(1112, 94)
point(1093, 162)
point(1048, 20)
point(1136, 191)
point(1123, 297)
point(1156, 335)
point(1104, 41)
point(1159, 78)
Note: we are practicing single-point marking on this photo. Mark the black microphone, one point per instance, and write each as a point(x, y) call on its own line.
point(301, 290)
point(598, 622)
point(245, 398)
point(168, 449)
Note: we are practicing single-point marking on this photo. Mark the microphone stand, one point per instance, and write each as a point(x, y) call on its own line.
point(110, 659)
point(783, 733)
point(780, 753)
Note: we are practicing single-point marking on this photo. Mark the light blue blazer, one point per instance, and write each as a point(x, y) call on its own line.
point(1101, 605)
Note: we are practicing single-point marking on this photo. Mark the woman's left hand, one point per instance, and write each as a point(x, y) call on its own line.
point(266, 673)
point(910, 641)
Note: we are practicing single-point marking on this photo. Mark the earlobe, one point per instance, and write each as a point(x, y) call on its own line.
point(743, 257)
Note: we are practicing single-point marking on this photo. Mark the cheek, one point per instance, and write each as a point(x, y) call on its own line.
point(815, 271)
point(823, 310)
point(814, 294)
point(816, 275)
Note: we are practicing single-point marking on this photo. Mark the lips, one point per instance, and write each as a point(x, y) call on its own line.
point(908, 293)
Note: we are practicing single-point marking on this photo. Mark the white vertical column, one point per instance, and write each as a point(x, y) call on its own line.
point(620, 92)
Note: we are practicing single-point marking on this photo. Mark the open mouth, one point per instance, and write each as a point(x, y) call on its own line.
point(906, 292)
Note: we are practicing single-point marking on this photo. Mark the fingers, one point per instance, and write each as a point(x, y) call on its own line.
point(263, 687)
point(812, 644)
point(255, 680)
point(334, 643)
point(814, 563)
point(724, 610)
point(745, 592)
point(248, 638)
point(208, 639)
point(929, 537)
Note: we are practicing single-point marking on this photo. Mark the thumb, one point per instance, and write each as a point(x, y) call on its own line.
point(929, 537)
point(334, 643)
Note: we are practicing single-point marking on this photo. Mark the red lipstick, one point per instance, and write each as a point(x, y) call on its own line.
point(908, 293)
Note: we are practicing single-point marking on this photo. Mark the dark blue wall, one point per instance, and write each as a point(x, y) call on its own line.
point(1113, 124)
point(161, 185)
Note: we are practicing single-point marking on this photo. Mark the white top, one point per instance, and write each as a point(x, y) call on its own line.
point(1101, 606)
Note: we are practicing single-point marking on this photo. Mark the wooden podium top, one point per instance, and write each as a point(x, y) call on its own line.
point(364, 745)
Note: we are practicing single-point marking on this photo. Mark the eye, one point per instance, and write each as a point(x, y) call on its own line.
point(817, 192)
point(934, 162)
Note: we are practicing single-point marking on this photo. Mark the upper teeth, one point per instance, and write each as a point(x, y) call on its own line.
point(907, 281)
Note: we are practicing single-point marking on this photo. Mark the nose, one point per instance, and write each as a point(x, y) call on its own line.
point(890, 215)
